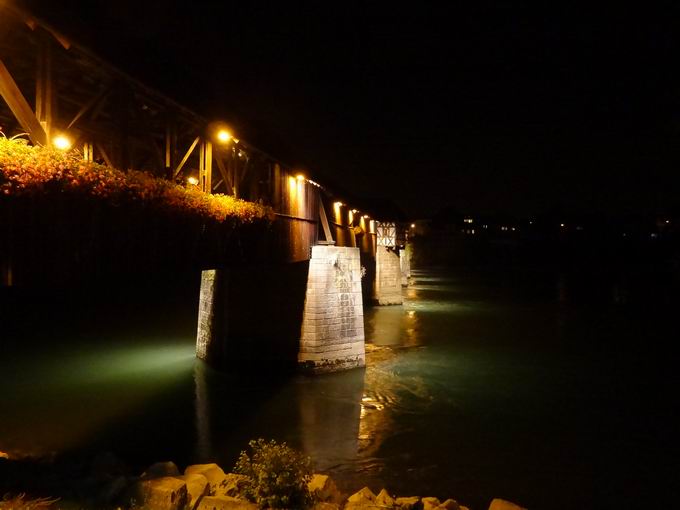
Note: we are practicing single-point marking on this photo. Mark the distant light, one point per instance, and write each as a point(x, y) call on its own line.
point(366, 216)
point(668, 221)
point(512, 228)
point(562, 225)
point(531, 223)
point(62, 142)
point(338, 204)
point(413, 225)
point(193, 181)
point(224, 136)
point(300, 177)
point(354, 211)
point(653, 235)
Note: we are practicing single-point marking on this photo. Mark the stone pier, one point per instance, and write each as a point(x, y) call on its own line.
point(387, 289)
point(405, 264)
point(333, 319)
point(306, 314)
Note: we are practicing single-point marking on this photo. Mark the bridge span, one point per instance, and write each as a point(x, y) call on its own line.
point(301, 299)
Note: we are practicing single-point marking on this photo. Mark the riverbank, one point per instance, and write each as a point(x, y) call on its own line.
point(105, 483)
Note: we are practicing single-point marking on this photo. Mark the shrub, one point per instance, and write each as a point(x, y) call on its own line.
point(26, 170)
point(277, 475)
point(20, 502)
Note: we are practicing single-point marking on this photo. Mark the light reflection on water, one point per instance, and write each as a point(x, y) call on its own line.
point(467, 393)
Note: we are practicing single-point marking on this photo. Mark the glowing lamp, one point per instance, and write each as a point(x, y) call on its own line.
point(223, 135)
point(193, 181)
point(62, 142)
point(300, 177)
point(413, 225)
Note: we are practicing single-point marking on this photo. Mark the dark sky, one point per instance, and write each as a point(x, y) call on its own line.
point(484, 106)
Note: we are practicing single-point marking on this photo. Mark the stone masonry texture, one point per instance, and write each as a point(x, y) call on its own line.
point(332, 336)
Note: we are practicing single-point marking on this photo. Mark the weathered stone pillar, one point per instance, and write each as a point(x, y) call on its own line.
point(405, 264)
point(250, 316)
point(387, 289)
point(333, 320)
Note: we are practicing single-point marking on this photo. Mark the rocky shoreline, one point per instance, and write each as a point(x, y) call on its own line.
point(162, 486)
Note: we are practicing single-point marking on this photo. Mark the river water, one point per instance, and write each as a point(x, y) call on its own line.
point(547, 388)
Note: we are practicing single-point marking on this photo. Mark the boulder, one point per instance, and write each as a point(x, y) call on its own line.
point(225, 503)
point(165, 493)
point(112, 489)
point(322, 505)
point(364, 498)
point(501, 504)
point(450, 504)
point(323, 488)
point(430, 503)
point(408, 503)
point(231, 485)
point(385, 500)
point(160, 469)
point(197, 487)
point(212, 472)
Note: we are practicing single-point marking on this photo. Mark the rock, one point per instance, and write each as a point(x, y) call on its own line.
point(197, 487)
point(501, 504)
point(160, 469)
point(321, 505)
point(323, 488)
point(384, 499)
point(212, 472)
point(450, 504)
point(225, 503)
point(231, 485)
point(364, 494)
point(430, 503)
point(408, 503)
point(165, 493)
point(361, 499)
point(112, 489)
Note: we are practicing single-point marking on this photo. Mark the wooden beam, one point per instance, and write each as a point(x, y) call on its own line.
point(205, 167)
point(106, 157)
point(225, 175)
point(44, 86)
point(185, 158)
point(324, 223)
point(87, 106)
point(20, 108)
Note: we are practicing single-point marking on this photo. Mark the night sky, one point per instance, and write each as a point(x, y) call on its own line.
point(487, 107)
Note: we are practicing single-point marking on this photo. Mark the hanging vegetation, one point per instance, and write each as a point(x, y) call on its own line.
point(26, 170)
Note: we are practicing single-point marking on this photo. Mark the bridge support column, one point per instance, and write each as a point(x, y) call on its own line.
point(405, 264)
point(249, 316)
point(387, 288)
point(333, 320)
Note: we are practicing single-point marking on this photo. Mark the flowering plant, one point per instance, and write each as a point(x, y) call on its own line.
point(26, 170)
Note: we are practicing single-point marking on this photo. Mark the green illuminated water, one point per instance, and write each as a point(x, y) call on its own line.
point(546, 389)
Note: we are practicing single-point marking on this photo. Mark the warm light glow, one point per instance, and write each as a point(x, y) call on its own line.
point(562, 225)
point(365, 216)
point(338, 204)
point(192, 180)
point(413, 225)
point(223, 135)
point(300, 177)
point(61, 142)
point(354, 211)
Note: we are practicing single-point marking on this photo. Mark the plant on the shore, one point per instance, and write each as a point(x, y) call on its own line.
point(20, 502)
point(277, 475)
point(27, 170)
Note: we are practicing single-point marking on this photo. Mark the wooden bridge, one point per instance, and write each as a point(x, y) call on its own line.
point(322, 247)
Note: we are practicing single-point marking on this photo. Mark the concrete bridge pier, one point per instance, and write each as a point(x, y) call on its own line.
point(405, 264)
point(387, 288)
point(308, 314)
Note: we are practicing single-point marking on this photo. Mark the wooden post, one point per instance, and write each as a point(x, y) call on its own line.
point(205, 166)
point(44, 92)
